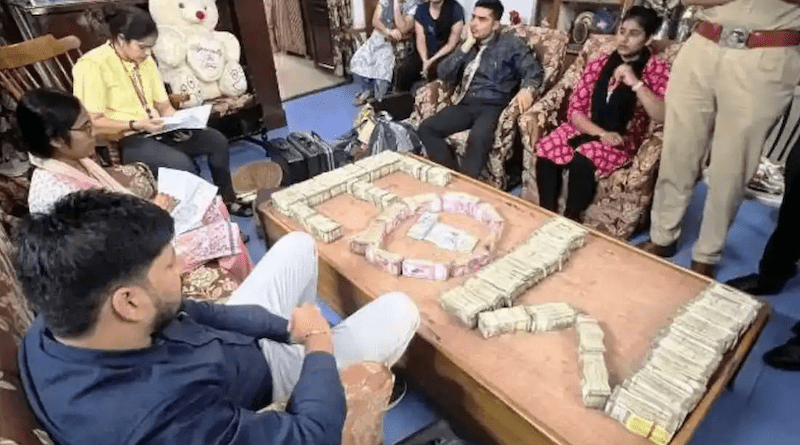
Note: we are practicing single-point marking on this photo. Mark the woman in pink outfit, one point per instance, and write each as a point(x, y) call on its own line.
point(608, 115)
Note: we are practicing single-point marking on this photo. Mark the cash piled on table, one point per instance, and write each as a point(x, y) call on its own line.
point(503, 321)
point(388, 261)
point(469, 264)
point(450, 238)
point(426, 202)
point(655, 400)
point(551, 316)
point(426, 270)
point(595, 388)
point(541, 255)
point(372, 236)
point(424, 224)
point(425, 172)
point(355, 179)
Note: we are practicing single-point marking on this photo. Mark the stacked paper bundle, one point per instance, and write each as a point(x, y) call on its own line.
point(595, 388)
point(541, 255)
point(655, 400)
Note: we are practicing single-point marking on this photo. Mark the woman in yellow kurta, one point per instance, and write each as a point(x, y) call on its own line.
point(119, 84)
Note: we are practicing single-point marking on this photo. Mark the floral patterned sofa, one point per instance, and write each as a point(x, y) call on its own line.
point(622, 203)
point(550, 47)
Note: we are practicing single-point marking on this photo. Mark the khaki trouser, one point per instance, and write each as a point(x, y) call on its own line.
point(736, 94)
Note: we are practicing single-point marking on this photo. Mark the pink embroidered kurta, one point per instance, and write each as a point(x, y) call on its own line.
point(606, 158)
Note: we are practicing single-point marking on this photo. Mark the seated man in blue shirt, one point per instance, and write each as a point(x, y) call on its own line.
point(490, 67)
point(117, 357)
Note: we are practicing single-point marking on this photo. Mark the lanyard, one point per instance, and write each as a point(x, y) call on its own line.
point(136, 80)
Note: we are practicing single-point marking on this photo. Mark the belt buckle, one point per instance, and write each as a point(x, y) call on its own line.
point(735, 38)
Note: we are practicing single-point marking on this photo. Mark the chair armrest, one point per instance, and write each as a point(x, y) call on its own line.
point(430, 99)
point(542, 115)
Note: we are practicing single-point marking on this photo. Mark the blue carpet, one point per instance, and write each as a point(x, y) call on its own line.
point(762, 405)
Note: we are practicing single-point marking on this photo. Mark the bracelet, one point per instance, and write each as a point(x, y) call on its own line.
point(315, 332)
point(637, 86)
point(130, 124)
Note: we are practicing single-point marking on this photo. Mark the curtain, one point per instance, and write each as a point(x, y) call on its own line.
point(340, 13)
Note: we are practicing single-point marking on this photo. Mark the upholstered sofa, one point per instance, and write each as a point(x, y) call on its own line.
point(550, 47)
point(623, 199)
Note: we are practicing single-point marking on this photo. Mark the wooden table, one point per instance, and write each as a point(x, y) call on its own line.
point(520, 388)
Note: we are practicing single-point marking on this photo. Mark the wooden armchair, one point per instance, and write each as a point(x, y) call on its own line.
point(623, 200)
point(550, 46)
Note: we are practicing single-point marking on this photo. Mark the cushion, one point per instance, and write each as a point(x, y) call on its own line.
point(18, 426)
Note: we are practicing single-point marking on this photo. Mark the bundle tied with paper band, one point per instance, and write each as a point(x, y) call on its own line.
point(298, 201)
point(655, 400)
point(425, 208)
point(498, 284)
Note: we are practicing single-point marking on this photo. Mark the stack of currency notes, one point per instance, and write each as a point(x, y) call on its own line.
point(595, 388)
point(449, 238)
point(423, 225)
point(655, 400)
point(425, 269)
point(541, 255)
point(551, 316)
point(503, 321)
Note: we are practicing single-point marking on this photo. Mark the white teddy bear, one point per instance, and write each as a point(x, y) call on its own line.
point(192, 57)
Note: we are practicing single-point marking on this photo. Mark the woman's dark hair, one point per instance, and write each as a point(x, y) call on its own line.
point(45, 114)
point(130, 22)
point(70, 261)
point(646, 17)
point(495, 5)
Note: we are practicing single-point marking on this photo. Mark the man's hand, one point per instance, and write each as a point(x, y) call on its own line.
point(310, 328)
point(625, 74)
point(469, 40)
point(396, 35)
point(611, 138)
point(524, 100)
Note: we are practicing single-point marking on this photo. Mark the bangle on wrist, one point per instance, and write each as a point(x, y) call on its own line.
point(315, 332)
point(130, 124)
point(638, 86)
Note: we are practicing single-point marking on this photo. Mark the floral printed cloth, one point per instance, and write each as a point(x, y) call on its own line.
point(605, 157)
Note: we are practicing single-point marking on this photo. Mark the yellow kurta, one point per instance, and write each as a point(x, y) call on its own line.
point(104, 85)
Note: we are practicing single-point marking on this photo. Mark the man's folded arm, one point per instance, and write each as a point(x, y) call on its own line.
point(315, 415)
point(250, 320)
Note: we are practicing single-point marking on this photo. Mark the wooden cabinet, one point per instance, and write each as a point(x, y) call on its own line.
point(318, 27)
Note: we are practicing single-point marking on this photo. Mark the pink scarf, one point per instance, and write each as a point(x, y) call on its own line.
point(97, 177)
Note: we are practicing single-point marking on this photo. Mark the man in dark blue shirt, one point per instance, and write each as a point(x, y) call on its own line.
point(489, 67)
point(117, 357)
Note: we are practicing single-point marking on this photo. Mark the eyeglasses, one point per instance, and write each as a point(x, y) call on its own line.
point(85, 128)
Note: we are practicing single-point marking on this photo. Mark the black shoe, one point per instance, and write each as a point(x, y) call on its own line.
point(240, 209)
point(658, 250)
point(786, 357)
point(756, 284)
point(398, 391)
point(796, 329)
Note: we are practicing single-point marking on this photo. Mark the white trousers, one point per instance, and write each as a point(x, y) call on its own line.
point(287, 277)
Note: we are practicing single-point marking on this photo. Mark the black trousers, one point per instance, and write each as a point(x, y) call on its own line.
point(481, 120)
point(169, 153)
point(410, 72)
point(779, 261)
point(580, 188)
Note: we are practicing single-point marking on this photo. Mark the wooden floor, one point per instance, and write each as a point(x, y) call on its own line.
point(520, 388)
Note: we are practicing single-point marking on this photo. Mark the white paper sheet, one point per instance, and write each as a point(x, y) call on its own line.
point(195, 118)
point(194, 194)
